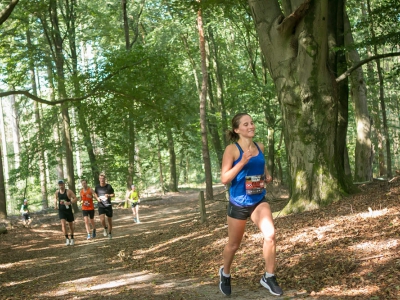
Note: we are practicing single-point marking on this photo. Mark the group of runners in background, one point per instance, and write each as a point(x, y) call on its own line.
point(102, 193)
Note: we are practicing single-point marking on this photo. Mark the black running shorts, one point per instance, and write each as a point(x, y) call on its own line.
point(66, 214)
point(108, 211)
point(242, 213)
point(88, 213)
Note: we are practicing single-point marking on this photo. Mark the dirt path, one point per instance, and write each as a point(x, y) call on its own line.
point(36, 264)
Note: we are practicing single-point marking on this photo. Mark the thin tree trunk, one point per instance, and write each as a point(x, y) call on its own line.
point(160, 164)
point(80, 110)
point(203, 105)
point(3, 200)
point(56, 129)
point(173, 183)
point(15, 131)
point(338, 64)
point(131, 125)
point(220, 84)
point(278, 160)
point(4, 144)
point(363, 150)
point(212, 123)
point(381, 99)
point(59, 61)
point(38, 121)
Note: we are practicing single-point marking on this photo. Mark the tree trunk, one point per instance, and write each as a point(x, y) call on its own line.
point(363, 151)
point(338, 64)
point(3, 200)
point(4, 144)
point(59, 61)
point(203, 105)
point(271, 152)
point(382, 100)
point(38, 121)
point(296, 49)
point(173, 183)
point(212, 123)
point(13, 119)
point(160, 164)
point(278, 160)
point(132, 148)
point(220, 84)
point(56, 129)
point(70, 18)
point(6, 12)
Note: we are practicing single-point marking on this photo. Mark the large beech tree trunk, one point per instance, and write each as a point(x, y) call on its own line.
point(295, 45)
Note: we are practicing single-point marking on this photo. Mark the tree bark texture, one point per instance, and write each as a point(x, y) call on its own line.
point(59, 61)
point(203, 105)
point(381, 99)
point(295, 46)
point(173, 182)
point(6, 12)
point(363, 152)
point(42, 164)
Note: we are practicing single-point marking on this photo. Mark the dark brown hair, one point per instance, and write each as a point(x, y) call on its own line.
point(231, 134)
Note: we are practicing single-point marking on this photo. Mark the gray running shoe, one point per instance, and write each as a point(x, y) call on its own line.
point(224, 283)
point(66, 242)
point(109, 236)
point(272, 285)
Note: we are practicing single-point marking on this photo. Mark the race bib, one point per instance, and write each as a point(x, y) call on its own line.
point(86, 203)
point(62, 202)
point(254, 184)
point(104, 200)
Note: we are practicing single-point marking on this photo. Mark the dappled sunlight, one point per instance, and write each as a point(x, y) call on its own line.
point(376, 246)
point(343, 291)
point(28, 262)
point(11, 283)
point(374, 213)
point(168, 242)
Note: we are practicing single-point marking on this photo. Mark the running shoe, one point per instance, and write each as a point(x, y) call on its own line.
point(105, 231)
point(134, 219)
point(272, 285)
point(71, 242)
point(224, 283)
point(94, 233)
point(88, 236)
point(66, 242)
point(109, 236)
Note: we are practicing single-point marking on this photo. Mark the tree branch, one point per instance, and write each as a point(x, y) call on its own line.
point(293, 19)
point(6, 12)
point(359, 64)
point(74, 99)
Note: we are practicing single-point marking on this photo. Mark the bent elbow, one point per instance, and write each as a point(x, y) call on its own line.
point(224, 181)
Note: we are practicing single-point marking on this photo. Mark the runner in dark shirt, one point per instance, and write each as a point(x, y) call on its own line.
point(63, 201)
point(103, 193)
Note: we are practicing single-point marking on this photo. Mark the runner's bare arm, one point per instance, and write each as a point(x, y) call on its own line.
point(72, 196)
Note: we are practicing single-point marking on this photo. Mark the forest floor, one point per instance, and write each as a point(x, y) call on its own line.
point(347, 250)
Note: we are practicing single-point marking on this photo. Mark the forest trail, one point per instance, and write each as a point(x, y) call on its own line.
point(36, 264)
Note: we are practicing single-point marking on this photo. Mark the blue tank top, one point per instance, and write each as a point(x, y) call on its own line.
point(252, 175)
